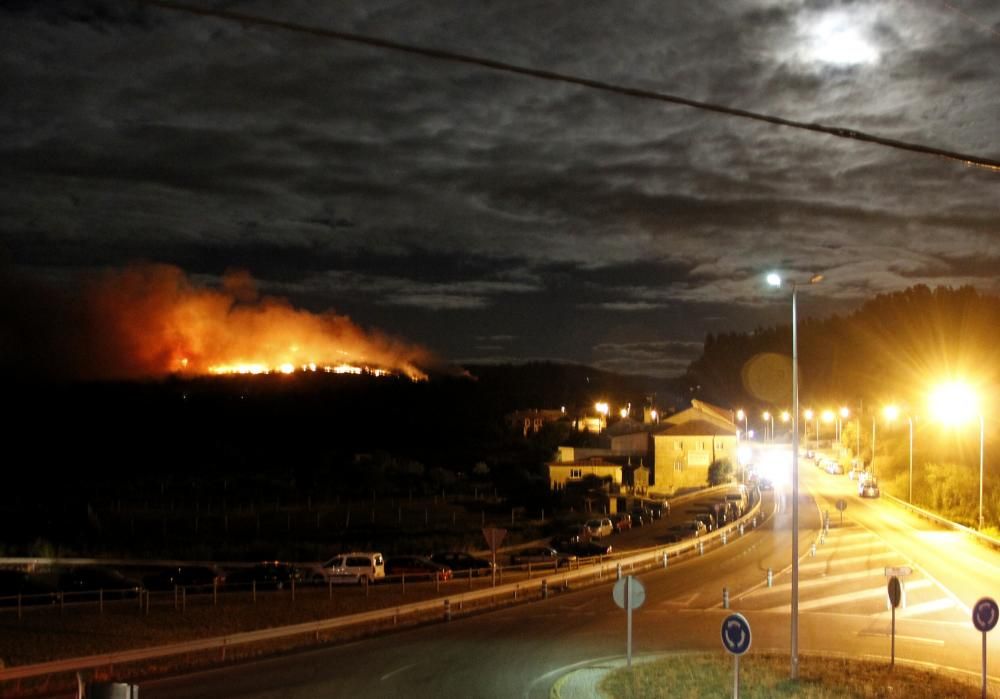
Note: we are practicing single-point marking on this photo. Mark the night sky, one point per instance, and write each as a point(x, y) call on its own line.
point(489, 216)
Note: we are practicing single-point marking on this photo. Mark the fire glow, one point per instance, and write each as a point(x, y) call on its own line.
point(152, 320)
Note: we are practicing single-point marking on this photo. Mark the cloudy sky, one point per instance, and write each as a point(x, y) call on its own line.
point(492, 216)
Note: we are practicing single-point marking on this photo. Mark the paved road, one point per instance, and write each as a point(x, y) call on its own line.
point(520, 652)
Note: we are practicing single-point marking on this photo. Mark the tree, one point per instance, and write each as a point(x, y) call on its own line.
point(720, 472)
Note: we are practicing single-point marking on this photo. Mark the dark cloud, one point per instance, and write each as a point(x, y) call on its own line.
point(455, 204)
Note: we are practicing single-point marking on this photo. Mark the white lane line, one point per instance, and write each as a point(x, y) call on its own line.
point(937, 605)
point(846, 561)
point(853, 596)
point(398, 670)
point(915, 639)
point(819, 582)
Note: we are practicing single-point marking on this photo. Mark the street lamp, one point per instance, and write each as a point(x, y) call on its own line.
point(741, 415)
point(891, 412)
point(954, 403)
point(768, 417)
point(774, 280)
point(828, 417)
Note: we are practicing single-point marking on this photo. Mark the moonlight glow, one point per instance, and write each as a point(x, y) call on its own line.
point(838, 40)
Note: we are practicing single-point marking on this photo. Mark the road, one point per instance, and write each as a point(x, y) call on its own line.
point(521, 651)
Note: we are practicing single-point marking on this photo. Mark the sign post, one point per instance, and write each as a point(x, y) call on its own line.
point(895, 592)
point(493, 538)
point(736, 640)
point(984, 618)
point(628, 594)
point(841, 505)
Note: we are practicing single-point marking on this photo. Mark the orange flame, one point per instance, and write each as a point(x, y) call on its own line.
point(154, 321)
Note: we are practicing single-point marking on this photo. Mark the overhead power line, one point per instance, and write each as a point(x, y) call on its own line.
point(491, 64)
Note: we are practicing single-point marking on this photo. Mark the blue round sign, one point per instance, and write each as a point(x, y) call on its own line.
point(985, 614)
point(736, 634)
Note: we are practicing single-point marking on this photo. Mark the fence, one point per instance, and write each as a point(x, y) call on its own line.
point(587, 572)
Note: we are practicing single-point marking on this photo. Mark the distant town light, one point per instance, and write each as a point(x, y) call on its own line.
point(891, 412)
point(602, 408)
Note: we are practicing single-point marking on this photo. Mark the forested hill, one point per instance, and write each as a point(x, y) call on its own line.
point(889, 349)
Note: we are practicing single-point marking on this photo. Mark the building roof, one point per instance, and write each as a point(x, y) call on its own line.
point(697, 428)
point(721, 413)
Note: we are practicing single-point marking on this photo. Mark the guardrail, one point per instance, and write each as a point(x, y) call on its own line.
point(442, 608)
point(927, 514)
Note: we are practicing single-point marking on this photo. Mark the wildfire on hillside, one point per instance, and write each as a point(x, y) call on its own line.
point(153, 320)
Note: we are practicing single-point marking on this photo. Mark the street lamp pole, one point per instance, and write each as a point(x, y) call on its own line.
point(775, 280)
point(909, 419)
point(982, 425)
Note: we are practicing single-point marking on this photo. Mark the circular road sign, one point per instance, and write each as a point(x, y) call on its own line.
point(985, 614)
point(637, 595)
point(736, 634)
point(841, 504)
point(895, 591)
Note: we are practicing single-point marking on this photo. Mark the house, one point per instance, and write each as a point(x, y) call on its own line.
point(562, 473)
point(689, 442)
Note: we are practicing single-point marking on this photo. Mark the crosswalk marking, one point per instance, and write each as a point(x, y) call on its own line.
point(819, 565)
point(852, 596)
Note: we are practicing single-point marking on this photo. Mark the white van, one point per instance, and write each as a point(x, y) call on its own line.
point(600, 527)
point(354, 567)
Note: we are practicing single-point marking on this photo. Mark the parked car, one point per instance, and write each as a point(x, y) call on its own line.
point(868, 489)
point(541, 554)
point(265, 575)
point(461, 562)
point(356, 567)
point(685, 530)
point(582, 549)
point(622, 521)
point(184, 576)
point(641, 516)
point(91, 579)
point(658, 509)
point(739, 501)
point(833, 467)
point(600, 527)
point(705, 518)
point(416, 567)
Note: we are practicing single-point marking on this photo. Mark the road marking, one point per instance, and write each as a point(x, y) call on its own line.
point(833, 560)
point(937, 605)
point(387, 675)
point(915, 639)
point(833, 600)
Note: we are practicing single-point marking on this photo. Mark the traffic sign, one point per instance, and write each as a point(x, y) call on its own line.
point(898, 571)
point(636, 596)
point(984, 618)
point(736, 634)
point(841, 504)
point(985, 614)
point(895, 591)
point(494, 536)
point(628, 594)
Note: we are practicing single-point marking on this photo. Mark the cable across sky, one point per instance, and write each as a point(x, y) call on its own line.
point(538, 73)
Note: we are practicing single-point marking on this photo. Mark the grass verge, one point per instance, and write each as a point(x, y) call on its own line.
point(766, 676)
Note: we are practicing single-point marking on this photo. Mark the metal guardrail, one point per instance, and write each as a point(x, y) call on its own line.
point(651, 557)
point(927, 514)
